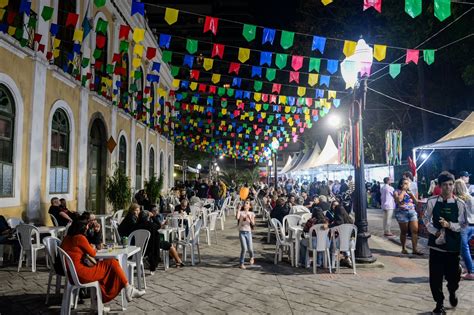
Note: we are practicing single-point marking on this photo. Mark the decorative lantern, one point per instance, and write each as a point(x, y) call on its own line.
point(244, 193)
point(393, 146)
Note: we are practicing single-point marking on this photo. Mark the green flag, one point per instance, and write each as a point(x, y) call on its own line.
point(47, 13)
point(230, 92)
point(123, 46)
point(286, 40)
point(221, 91)
point(266, 106)
point(442, 9)
point(270, 74)
point(314, 64)
point(429, 56)
point(257, 85)
point(249, 31)
point(99, 3)
point(101, 26)
point(137, 74)
point(174, 71)
point(97, 53)
point(413, 7)
point(395, 70)
point(85, 62)
point(32, 22)
point(110, 69)
point(280, 60)
point(167, 55)
point(191, 45)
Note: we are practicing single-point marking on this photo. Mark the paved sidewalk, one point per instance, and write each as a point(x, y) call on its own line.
point(218, 286)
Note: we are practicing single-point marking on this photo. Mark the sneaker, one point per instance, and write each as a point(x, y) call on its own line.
point(106, 309)
point(439, 309)
point(469, 276)
point(152, 273)
point(453, 299)
point(252, 261)
point(132, 293)
point(388, 234)
point(242, 267)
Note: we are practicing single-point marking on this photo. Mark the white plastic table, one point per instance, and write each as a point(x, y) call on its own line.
point(102, 218)
point(296, 231)
point(122, 255)
point(51, 230)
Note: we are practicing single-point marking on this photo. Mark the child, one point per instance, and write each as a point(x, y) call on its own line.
point(246, 221)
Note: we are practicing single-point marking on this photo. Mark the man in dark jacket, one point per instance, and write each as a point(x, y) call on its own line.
point(280, 211)
point(203, 189)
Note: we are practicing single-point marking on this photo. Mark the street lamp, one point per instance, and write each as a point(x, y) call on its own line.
point(270, 163)
point(355, 69)
point(275, 146)
point(199, 166)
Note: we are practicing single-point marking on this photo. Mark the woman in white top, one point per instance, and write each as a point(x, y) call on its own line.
point(246, 220)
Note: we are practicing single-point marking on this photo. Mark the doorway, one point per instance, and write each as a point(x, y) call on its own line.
point(96, 167)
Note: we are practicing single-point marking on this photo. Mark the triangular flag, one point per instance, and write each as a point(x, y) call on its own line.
point(171, 15)
point(281, 60)
point(412, 55)
point(244, 54)
point(379, 52)
point(429, 56)
point(376, 4)
point(413, 7)
point(138, 35)
point(314, 64)
point(208, 64)
point(332, 66)
point(270, 74)
point(210, 24)
point(249, 31)
point(218, 50)
point(216, 78)
point(301, 91)
point(191, 45)
point(234, 67)
point(442, 9)
point(297, 62)
point(313, 79)
point(287, 38)
point(318, 43)
point(294, 77)
point(268, 36)
point(349, 48)
point(394, 69)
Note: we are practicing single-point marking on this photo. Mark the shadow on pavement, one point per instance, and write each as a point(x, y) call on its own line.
point(414, 280)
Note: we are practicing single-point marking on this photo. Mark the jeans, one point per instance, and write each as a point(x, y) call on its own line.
point(387, 220)
point(245, 244)
point(304, 244)
point(466, 235)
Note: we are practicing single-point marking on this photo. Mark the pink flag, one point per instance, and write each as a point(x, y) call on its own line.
point(297, 62)
point(265, 97)
point(377, 4)
point(218, 50)
point(412, 55)
point(276, 88)
point(365, 68)
point(273, 99)
point(294, 76)
point(211, 24)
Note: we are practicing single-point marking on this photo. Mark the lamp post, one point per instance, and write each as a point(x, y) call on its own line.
point(199, 166)
point(355, 69)
point(185, 168)
point(275, 146)
point(270, 163)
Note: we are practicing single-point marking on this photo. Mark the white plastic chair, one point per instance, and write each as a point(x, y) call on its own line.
point(322, 244)
point(282, 242)
point(29, 248)
point(54, 220)
point(344, 242)
point(51, 244)
point(299, 209)
point(221, 217)
point(117, 217)
point(176, 222)
point(211, 226)
point(73, 284)
point(140, 238)
point(290, 220)
point(192, 241)
point(115, 231)
point(14, 222)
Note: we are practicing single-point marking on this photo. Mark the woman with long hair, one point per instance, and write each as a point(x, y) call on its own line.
point(461, 191)
point(246, 220)
point(406, 215)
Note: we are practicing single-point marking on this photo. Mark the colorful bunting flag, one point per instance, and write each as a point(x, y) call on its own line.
point(47, 13)
point(412, 55)
point(234, 67)
point(218, 50)
point(164, 41)
point(268, 35)
point(138, 7)
point(326, 2)
point(429, 56)
point(150, 53)
point(208, 64)
point(244, 54)
point(249, 32)
point(188, 61)
point(124, 31)
point(171, 15)
point(332, 66)
point(324, 80)
point(166, 56)
point(270, 74)
point(266, 58)
point(442, 9)
point(99, 3)
point(216, 78)
point(210, 24)
point(294, 77)
point(319, 43)
point(413, 7)
point(379, 52)
point(191, 45)
point(257, 86)
point(376, 4)
point(276, 88)
point(301, 91)
point(349, 48)
point(71, 19)
point(313, 79)
point(101, 26)
point(287, 38)
point(314, 64)
point(256, 71)
point(281, 60)
point(25, 7)
point(297, 62)
point(394, 69)
point(138, 35)
point(78, 35)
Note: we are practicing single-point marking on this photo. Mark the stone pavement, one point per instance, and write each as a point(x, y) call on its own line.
point(218, 286)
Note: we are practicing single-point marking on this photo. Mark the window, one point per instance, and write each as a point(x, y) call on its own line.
point(138, 167)
point(151, 163)
point(170, 171)
point(7, 120)
point(160, 170)
point(123, 154)
point(59, 166)
point(101, 62)
point(65, 34)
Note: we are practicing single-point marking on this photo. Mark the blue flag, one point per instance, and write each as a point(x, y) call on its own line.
point(236, 82)
point(332, 66)
point(256, 71)
point(266, 58)
point(156, 67)
point(54, 29)
point(268, 36)
point(188, 61)
point(319, 43)
point(138, 7)
point(324, 80)
point(25, 7)
point(164, 41)
point(247, 95)
point(319, 93)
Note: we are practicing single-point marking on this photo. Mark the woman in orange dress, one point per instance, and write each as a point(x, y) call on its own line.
point(108, 272)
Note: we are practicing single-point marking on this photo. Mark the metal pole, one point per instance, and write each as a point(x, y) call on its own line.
point(276, 169)
point(363, 253)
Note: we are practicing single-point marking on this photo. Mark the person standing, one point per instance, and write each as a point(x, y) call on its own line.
point(444, 212)
point(388, 205)
point(465, 177)
point(246, 220)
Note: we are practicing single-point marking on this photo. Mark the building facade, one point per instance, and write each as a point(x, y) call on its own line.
point(57, 134)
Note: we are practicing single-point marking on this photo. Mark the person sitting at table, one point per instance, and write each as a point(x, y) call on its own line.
point(6, 237)
point(60, 214)
point(281, 210)
point(183, 207)
point(108, 272)
point(128, 223)
point(93, 233)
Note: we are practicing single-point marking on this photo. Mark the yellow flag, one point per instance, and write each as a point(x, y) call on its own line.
point(282, 99)
point(264, 115)
point(193, 86)
point(349, 48)
point(326, 2)
point(138, 35)
point(161, 92)
point(138, 50)
point(137, 62)
point(224, 111)
point(379, 52)
point(313, 79)
point(216, 78)
point(56, 53)
point(331, 94)
point(244, 54)
point(171, 15)
point(78, 35)
point(287, 109)
point(176, 83)
point(290, 122)
point(208, 63)
point(56, 43)
point(301, 91)
point(257, 96)
point(2, 13)
point(11, 30)
point(258, 107)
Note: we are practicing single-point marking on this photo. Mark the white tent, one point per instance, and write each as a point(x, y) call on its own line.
point(295, 162)
point(312, 158)
point(329, 154)
point(303, 160)
point(287, 165)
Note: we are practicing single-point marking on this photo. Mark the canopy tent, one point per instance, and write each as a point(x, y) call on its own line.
point(303, 160)
point(295, 162)
point(460, 138)
point(287, 165)
point(312, 158)
point(329, 154)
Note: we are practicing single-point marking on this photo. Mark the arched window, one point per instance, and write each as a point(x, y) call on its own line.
point(162, 167)
point(138, 167)
point(151, 163)
point(170, 171)
point(124, 73)
point(123, 154)
point(65, 35)
point(101, 60)
point(59, 165)
point(7, 120)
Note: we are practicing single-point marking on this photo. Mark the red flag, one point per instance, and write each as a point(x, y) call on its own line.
point(234, 67)
point(377, 4)
point(218, 50)
point(150, 53)
point(294, 77)
point(309, 101)
point(41, 48)
point(49, 55)
point(212, 89)
point(195, 74)
point(211, 24)
point(297, 62)
point(276, 88)
point(412, 55)
point(11, 17)
point(72, 19)
point(202, 88)
point(116, 58)
point(412, 166)
point(273, 99)
point(265, 98)
point(124, 31)
point(37, 38)
point(100, 41)
point(147, 90)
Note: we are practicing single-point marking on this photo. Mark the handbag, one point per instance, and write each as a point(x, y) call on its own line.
point(88, 260)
